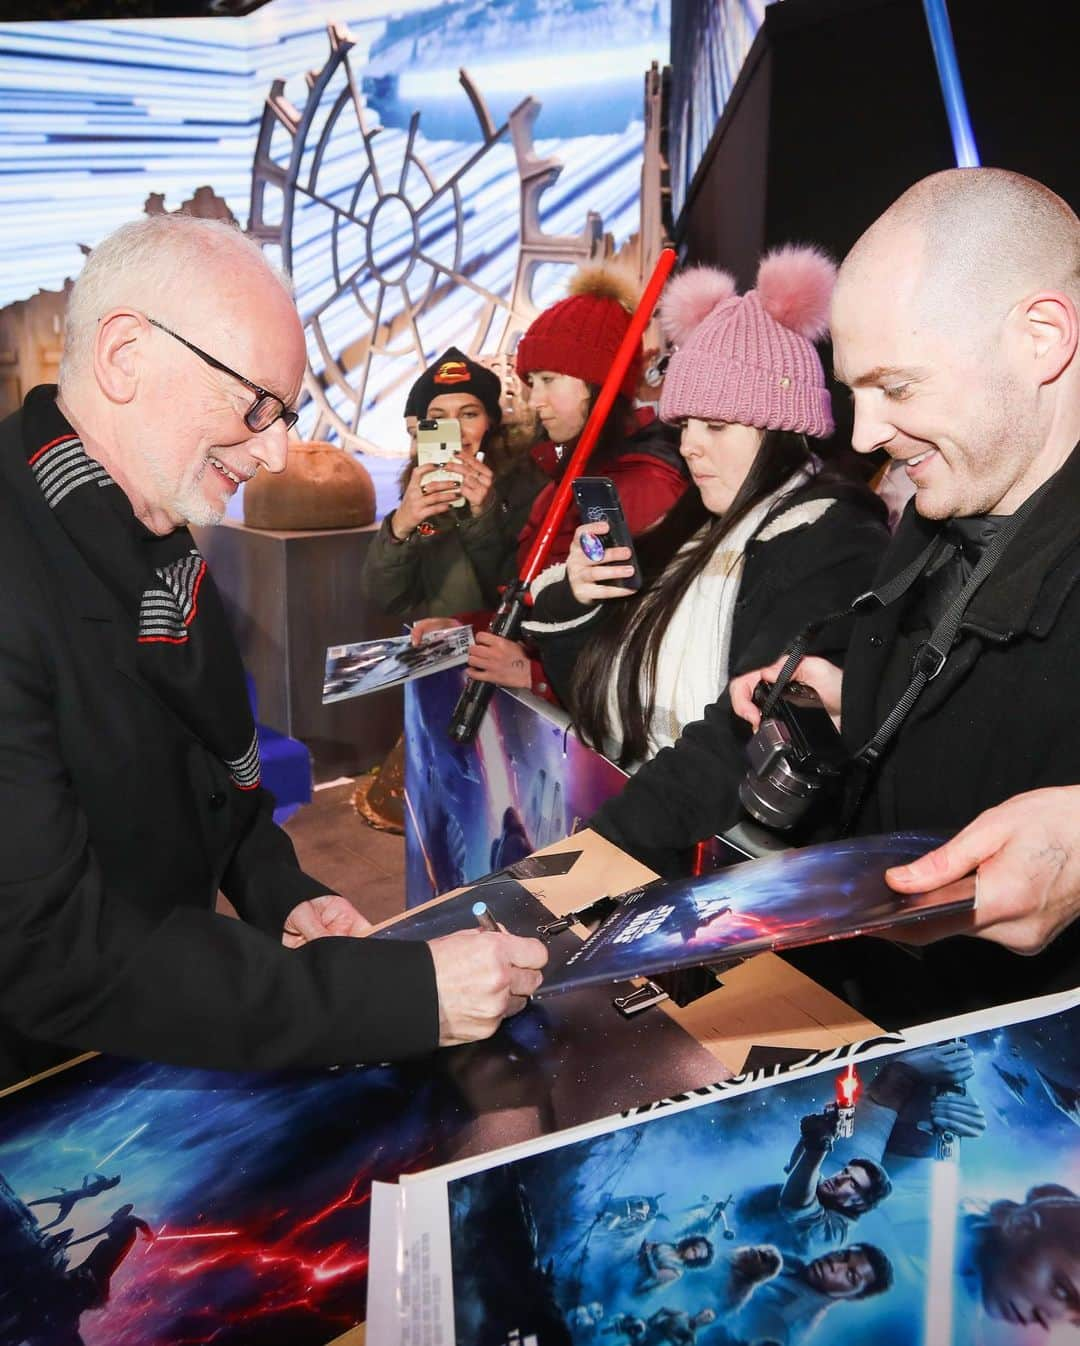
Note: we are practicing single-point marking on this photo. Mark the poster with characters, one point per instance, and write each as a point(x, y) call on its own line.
point(915, 1191)
point(153, 1205)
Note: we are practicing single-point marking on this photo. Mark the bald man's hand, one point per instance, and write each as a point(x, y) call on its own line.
point(1026, 856)
point(481, 978)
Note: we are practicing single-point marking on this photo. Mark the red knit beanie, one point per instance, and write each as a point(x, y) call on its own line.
point(580, 335)
point(750, 359)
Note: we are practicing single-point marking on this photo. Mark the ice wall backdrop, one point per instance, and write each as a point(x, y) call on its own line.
point(398, 200)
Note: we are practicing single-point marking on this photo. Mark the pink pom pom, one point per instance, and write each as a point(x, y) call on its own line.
point(690, 298)
point(795, 285)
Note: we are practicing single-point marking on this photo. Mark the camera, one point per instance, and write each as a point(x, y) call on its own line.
point(796, 758)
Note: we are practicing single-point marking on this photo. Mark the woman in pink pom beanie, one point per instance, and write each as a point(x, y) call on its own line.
point(770, 539)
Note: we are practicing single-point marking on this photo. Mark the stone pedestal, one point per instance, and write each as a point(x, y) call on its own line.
point(289, 595)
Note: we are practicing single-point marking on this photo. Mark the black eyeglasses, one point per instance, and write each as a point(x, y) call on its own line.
point(267, 407)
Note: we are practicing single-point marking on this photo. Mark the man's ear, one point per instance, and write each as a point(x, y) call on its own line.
point(1049, 330)
point(117, 358)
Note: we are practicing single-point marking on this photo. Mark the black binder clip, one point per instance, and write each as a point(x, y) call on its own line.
point(682, 986)
point(593, 914)
point(640, 998)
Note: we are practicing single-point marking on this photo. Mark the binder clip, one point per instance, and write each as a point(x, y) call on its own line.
point(593, 914)
point(640, 998)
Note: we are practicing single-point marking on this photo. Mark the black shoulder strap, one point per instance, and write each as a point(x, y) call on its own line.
point(931, 658)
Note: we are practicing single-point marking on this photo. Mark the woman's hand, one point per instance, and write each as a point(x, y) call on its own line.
point(426, 625)
point(422, 500)
point(825, 678)
point(498, 660)
point(477, 482)
point(584, 575)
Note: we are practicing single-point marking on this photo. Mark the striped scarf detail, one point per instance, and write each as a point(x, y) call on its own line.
point(165, 614)
point(162, 582)
point(63, 466)
point(246, 771)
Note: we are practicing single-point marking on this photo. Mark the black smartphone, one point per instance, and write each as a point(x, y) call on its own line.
point(814, 738)
point(598, 502)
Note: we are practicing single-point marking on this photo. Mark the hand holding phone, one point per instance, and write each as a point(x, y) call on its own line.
point(604, 539)
point(438, 442)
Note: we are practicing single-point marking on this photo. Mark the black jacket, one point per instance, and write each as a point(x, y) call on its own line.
point(999, 720)
point(788, 580)
point(118, 827)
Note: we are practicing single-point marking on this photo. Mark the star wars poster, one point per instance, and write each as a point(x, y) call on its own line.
point(918, 1195)
point(148, 1205)
point(369, 665)
point(830, 891)
point(473, 808)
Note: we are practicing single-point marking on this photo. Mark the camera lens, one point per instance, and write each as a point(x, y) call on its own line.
point(779, 797)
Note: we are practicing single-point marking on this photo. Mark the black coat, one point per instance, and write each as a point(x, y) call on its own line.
point(118, 827)
point(999, 720)
point(788, 580)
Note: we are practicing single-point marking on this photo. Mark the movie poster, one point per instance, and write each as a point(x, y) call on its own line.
point(148, 1205)
point(370, 665)
point(918, 1195)
point(524, 782)
point(830, 891)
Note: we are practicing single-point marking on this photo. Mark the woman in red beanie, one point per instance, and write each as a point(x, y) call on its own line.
point(563, 359)
point(768, 539)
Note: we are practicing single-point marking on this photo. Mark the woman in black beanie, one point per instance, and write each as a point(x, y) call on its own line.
point(430, 557)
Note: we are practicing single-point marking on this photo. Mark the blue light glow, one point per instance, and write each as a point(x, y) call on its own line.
point(952, 86)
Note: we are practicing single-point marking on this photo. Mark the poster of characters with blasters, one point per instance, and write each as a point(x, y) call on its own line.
point(918, 1195)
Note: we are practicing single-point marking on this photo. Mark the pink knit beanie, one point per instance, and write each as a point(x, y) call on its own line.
point(749, 359)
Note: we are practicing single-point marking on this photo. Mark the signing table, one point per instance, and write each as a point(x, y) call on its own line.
point(141, 1202)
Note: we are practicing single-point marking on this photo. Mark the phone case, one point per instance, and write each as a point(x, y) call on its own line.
point(598, 501)
point(438, 442)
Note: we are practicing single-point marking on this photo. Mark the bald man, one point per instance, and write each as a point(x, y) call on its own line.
point(955, 326)
point(129, 767)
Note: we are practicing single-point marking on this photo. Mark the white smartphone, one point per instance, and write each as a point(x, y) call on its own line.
point(438, 442)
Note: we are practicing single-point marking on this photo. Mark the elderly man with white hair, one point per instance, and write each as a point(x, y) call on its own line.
point(129, 768)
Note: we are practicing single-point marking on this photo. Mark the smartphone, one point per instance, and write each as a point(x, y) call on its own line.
point(598, 502)
point(438, 442)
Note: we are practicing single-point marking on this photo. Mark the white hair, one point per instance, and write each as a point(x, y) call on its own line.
point(142, 263)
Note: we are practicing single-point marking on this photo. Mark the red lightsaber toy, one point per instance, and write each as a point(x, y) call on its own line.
point(473, 701)
point(847, 1095)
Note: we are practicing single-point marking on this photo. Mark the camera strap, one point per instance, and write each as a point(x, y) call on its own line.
point(931, 658)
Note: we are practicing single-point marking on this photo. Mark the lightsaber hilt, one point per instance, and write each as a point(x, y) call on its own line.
point(473, 701)
point(947, 1140)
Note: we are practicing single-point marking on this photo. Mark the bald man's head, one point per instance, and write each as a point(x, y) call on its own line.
point(972, 242)
point(955, 323)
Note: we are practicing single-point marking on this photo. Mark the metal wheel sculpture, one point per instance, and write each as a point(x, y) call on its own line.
point(377, 238)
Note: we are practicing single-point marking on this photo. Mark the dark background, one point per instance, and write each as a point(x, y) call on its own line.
point(838, 110)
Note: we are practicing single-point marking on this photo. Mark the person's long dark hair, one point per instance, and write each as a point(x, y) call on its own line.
point(631, 637)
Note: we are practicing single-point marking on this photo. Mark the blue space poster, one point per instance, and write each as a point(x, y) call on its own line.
point(153, 1205)
point(524, 782)
point(949, 1216)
